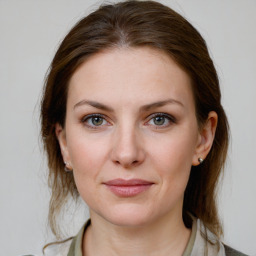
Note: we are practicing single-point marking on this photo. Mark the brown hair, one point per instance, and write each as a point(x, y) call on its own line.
point(137, 24)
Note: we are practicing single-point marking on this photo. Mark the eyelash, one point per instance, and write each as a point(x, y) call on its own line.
point(168, 117)
point(88, 117)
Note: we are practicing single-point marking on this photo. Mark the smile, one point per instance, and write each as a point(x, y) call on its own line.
point(128, 188)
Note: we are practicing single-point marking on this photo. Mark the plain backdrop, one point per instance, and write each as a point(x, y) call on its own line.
point(30, 31)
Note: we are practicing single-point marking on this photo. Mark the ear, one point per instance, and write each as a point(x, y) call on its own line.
point(61, 136)
point(205, 138)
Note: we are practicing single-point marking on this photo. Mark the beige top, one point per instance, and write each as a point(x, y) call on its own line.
point(197, 245)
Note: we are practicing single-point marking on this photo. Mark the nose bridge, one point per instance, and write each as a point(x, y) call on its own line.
point(127, 149)
point(127, 140)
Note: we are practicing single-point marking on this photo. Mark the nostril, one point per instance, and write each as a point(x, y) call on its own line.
point(117, 162)
point(127, 164)
point(132, 164)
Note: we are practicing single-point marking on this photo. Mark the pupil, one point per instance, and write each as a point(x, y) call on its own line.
point(159, 120)
point(97, 121)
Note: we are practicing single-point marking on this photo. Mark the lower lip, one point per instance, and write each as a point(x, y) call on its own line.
point(128, 191)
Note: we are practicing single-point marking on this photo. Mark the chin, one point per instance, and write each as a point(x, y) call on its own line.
point(128, 216)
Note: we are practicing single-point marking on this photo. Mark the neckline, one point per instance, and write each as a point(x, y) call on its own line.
point(77, 243)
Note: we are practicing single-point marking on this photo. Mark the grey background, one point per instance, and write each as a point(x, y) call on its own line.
point(30, 31)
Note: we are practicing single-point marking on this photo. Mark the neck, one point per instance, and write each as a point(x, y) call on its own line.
point(157, 238)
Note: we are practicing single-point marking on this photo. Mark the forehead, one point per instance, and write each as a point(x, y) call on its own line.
point(129, 74)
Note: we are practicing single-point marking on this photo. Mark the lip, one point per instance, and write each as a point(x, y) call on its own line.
point(128, 188)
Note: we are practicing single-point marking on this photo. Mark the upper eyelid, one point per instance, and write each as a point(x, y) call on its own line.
point(84, 118)
point(171, 117)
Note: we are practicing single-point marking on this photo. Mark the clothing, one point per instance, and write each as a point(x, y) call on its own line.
point(231, 252)
point(197, 245)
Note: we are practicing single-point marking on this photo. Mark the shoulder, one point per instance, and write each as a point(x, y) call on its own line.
point(232, 252)
point(58, 248)
point(214, 245)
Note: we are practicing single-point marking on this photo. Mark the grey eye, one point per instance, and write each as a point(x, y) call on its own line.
point(159, 120)
point(97, 121)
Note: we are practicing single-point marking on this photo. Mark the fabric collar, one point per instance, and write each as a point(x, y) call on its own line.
point(202, 242)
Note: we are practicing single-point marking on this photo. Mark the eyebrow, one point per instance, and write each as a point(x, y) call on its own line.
point(94, 104)
point(159, 104)
point(147, 107)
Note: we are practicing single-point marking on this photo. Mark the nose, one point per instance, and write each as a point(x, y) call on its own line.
point(127, 150)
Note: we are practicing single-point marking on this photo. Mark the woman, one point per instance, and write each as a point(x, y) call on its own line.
point(132, 122)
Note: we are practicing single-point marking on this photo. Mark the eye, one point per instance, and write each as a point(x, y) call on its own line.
point(94, 121)
point(161, 120)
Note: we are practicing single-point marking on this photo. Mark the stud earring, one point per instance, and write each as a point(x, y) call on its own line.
point(200, 160)
point(66, 169)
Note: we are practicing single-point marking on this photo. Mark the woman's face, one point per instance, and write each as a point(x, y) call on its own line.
point(131, 135)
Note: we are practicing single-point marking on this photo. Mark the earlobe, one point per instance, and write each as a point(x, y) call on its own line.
point(206, 138)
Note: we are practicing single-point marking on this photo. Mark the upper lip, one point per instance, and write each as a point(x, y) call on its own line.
point(131, 182)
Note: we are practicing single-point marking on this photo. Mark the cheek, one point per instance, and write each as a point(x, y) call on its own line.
point(174, 151)
point(87, 156)
point(87, 153)
point(173, 159)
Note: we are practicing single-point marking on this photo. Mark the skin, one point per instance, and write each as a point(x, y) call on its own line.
point(129, 142)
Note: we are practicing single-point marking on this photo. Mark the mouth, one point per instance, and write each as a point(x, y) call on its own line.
point(128, 188)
